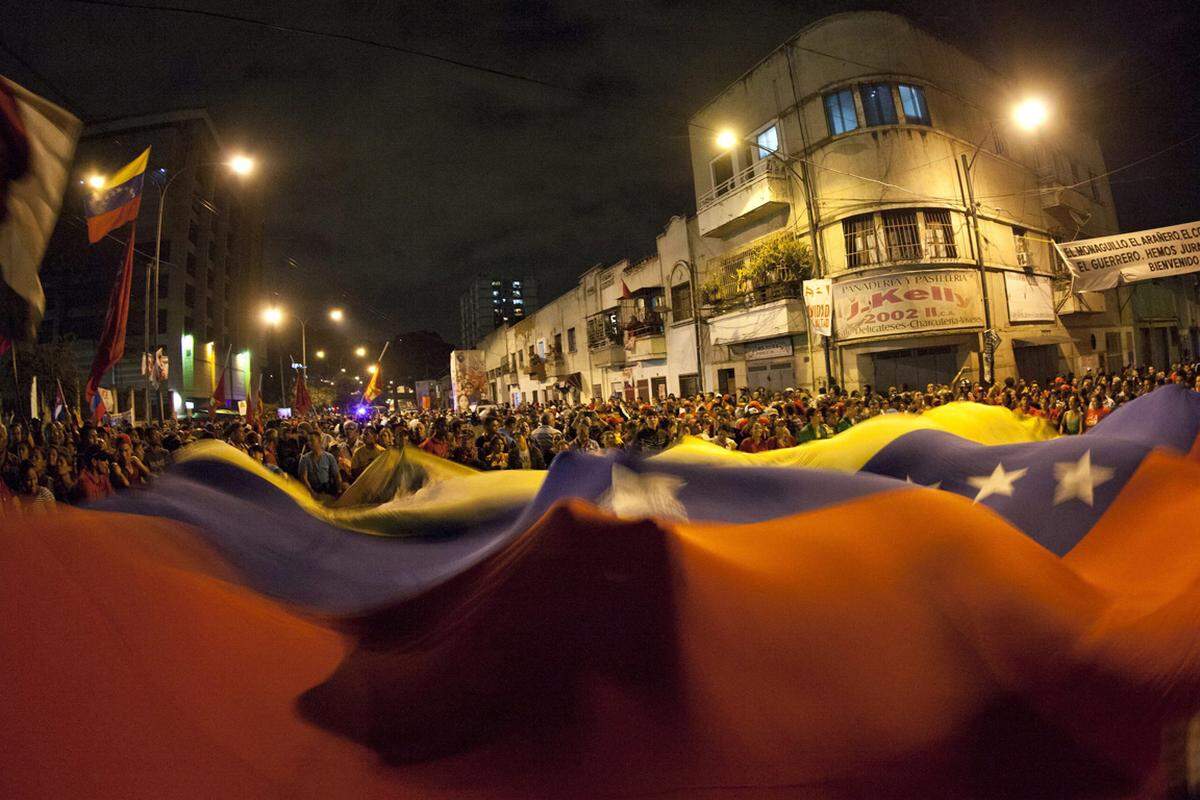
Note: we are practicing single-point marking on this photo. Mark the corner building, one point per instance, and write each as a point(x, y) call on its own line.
point(866, 138)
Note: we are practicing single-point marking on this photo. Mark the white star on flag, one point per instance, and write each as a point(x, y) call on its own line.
point(1078, 479)
point(652, 494)
point(934, 485)
point(999, 482)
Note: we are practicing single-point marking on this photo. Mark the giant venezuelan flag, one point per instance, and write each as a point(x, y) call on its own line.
point(118, 200)
point(668, 627)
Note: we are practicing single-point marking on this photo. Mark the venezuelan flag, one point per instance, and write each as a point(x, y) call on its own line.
point(118, 200)
point(625, 627)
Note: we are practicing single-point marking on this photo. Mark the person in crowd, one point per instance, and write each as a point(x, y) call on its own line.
point(367, 451)
point(318, 469)
point(438, 442)
point(32, 489)
point(94, 481)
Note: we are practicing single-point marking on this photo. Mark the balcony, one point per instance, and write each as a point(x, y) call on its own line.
point(1068, 207)
point(645, 338)
point(536, 368)
point(555, 363)
point(606, 342)
point(748, 312)
point(749, 196)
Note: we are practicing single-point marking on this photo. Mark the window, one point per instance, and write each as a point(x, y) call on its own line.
point(878, 106)
point(189, 296)
point(839, 110)
point(558, 343)
point(861, 244)
point(912, 100)
point(165, 251)
point(1094, 186)
point(521, 358)
point(162, 321)
point(689, 385)
point(191, 264)
point(681, 301)
point(767, 141)
point(571, 340)
point(998, 140)
point(164, 283)
point(939, 234)
point(722, 173)
point(902, 235)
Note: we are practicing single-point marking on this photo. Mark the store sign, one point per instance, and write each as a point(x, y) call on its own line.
point(819, 305)
point(908, 303)
point(1030, 297)
point(768, 348)
point(1109, 261)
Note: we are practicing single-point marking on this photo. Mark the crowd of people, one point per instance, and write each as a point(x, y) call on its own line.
point(70, 461)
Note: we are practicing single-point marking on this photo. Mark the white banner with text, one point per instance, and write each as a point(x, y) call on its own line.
point(1110, 261)
point(1030, 297)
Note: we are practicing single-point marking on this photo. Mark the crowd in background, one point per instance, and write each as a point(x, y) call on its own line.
point(68, 461)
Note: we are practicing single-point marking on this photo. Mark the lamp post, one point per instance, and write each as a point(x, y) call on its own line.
point(240, 165)
point(274, 315)
point(1030, 114)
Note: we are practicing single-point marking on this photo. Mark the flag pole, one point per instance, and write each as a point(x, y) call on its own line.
point(16, 379)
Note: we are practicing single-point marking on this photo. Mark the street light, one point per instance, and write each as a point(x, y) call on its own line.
point(96, 181)
point(371, 369)
point(1031, 113)
point(272, 315)
point(240, 165)
point(360, 351)
point(320, 354)
point(726, 139)
point(336, 314)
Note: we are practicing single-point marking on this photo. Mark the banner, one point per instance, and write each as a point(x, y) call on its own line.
point(1110, 261)
point(1030, 297)
point(819, 306)
point(908, 303)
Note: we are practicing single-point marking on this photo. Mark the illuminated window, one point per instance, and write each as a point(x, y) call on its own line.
point(912, 100)
point(840, 111)
point(861, 242)
point(767, 141)
point(878, 106)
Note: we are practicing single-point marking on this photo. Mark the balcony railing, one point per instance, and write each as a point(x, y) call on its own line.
point(732, 294)
point(759, 170)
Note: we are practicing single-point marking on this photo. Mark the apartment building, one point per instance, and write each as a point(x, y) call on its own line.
point(865, 152)
point(491, 302)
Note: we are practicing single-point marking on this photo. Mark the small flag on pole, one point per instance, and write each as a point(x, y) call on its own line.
point(33, 399)
point(118, 200)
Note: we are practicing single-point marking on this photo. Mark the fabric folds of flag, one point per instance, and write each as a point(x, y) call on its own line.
point(301, 402)
point(111, 346)
point(627, 627)
point(37, 145)
point(60, 401)
point(118, 200)
point(372, 390)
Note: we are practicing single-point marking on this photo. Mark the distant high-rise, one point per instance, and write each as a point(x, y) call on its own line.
point(211, 258)
point(493, 302)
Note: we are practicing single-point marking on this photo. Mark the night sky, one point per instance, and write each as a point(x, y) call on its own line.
point(398, 177)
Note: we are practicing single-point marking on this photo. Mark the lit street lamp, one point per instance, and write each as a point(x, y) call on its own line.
point(320, 354)
point(240, 165)
point(371, 369)
point(360, 351)
point(336, 314)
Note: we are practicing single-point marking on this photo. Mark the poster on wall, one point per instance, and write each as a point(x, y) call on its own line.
point(1110, 261)
point(818, 305)
point(1030, 297)
point(468, 378)
point(908, 303)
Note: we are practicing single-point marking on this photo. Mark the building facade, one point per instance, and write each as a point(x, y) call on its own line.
point(492, 302)
point(210, 261)
point(897, 174)
point(902, 171)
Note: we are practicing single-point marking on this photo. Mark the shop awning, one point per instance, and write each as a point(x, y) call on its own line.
point(1038, 339)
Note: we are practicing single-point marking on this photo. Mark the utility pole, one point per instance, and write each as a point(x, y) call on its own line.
point(985, 360)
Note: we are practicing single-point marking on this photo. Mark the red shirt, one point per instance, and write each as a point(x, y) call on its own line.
point(750, 446)
point(92, 487)
point(438, 448)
